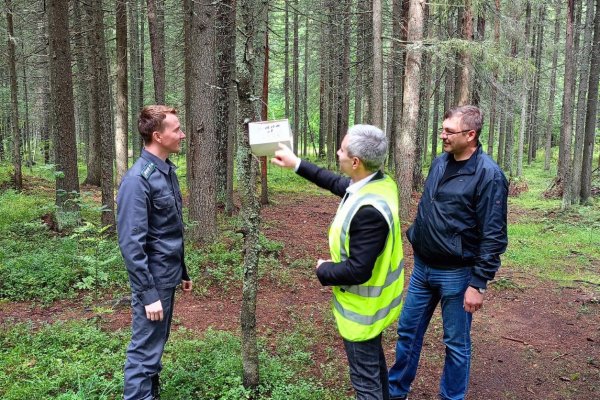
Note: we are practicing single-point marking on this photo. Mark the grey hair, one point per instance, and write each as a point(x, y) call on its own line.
point(369, 144)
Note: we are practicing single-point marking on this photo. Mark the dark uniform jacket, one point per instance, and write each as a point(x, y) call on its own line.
point(368, 232)
point(461, 220)
point(150, 227)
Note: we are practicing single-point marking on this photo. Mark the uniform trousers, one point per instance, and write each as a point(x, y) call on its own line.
point(148, 339)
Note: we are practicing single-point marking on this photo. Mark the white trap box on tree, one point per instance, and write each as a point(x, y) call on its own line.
point(266, 135)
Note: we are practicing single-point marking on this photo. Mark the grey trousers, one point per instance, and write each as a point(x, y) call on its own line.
point(148, 339)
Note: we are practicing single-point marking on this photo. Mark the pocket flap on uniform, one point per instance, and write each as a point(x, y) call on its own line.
point(163, 202)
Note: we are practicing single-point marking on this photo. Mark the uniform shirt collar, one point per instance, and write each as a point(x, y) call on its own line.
point(163, 166)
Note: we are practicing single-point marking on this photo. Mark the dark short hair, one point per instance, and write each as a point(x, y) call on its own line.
point(150, 120)
point(471, 117)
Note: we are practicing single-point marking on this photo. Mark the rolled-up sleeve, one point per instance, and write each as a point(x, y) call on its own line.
point(133, 206)
point(492, 216)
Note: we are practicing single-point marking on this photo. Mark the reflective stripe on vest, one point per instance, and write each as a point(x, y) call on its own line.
point(380, 204)
point(367, 319)
point(375, 291)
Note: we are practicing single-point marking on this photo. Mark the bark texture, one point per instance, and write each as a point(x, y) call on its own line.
point(405, 145)
point(63, 126)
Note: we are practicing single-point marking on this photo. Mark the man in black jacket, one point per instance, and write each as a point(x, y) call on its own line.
point(457, 237)
point(366, 269)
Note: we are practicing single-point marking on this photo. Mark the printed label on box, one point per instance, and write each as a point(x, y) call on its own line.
point(266, 135)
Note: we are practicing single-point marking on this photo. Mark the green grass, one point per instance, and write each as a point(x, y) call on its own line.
point(37, 264)
point(18, 207)
point(561, 245)
point(77, 360)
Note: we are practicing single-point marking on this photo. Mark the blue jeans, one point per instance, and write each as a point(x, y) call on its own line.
point(368, 370)
point(429, 286)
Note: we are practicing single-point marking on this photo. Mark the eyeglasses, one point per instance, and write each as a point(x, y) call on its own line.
point(446, 132)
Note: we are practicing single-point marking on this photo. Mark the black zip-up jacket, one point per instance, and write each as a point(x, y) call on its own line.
point(368, 232)
point(461, 221)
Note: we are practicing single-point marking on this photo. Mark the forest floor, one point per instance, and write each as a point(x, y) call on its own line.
point(534, 338)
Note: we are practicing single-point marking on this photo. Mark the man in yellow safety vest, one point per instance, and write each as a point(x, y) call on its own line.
point(366, 265)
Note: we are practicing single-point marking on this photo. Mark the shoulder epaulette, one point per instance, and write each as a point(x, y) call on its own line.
point(148, 170)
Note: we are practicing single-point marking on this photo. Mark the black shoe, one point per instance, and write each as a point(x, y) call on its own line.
point(399, 398)
point(155, 387)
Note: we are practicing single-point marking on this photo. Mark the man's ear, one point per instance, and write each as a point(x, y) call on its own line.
point(472, 135)
point(355, 162)
point(156, 137)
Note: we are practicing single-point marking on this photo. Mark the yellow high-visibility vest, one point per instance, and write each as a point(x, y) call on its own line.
point(363, 311)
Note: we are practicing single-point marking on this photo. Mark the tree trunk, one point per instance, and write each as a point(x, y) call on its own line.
point(296, 80)
point(107, 139)
point(359, 89)
point(305, 86)
point(61, 87)
point(200, 119)
point(83, 79)
point(524, 95)
point(550, 119)
point(477, 81)
point(323, 89)
point(248, 91)
point(509, 140)
point(564, 172)
point(26, 131)
point(591, 112)
point(399, 30)
point(533, 125)
point(368, 74)
point(331, 73)
point(502, 115)
point(584, 73)
point(423, 115)
point(121, 132)
point(286, 55)
point(435, 124)
point(264, 189)
point(226, 118)
point(43, 83)
point(94, 167)
point(449, 71)
point(16, 135)
point(156, 27)
point(141, 80)
point(377, 65)
point(134, 73)
point(405, 145)
point(343, 69)
point(389, 106)
point(464, 83)
point(494, 89)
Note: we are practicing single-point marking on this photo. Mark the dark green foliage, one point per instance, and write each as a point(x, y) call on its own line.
point(78, 360)
point(220, 263)
point(60, 361)
point(37, 264)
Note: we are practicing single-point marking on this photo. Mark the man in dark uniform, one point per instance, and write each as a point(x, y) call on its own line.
point(150, 228)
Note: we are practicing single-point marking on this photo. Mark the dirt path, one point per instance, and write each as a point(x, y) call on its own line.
point(537, 342)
